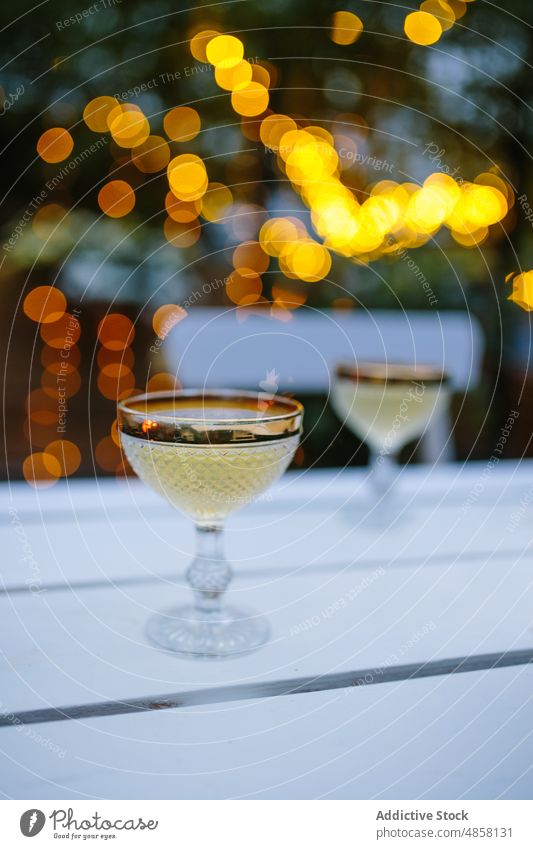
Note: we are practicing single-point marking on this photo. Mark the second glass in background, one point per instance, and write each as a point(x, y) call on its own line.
point(388, 405)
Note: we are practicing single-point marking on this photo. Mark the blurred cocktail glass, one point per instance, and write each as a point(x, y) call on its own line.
point(209, 453)
point(387, 405)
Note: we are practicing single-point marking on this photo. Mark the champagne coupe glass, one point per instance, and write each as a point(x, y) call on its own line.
point(209, 453)
point(387, 405)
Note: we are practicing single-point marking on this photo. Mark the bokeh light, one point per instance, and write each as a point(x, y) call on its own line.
point(116, 331)
point(287, 296)
point(107, 454)
point(46, 220)
point(61, 382)
point(50, 356)
point(167, 317)
point(162, 380)
point(62, 333)
point(441, 10)
point(65, 453)
point(249, 259)
point(199, 42)
point(114, 381)
point(181, 235)
point(522, 293)
point(183, 211)
point(116, 198)
point(217, 202)
point(106, 356)
point(235, 76)
point(187, 177)
point(55, 145)
point(128, 125)
point(114, 432)
point(345, 27)
point(243, 290)
point(41, 408)
point(422, 28)
point(41, 470)
point(152, 155)
point(250, 100)
point(261, 74)
point(182, 124)
point(97, 111)
point(224, 50)
point(45, 304)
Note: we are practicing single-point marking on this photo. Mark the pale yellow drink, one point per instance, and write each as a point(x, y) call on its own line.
point(208, 481)
point(386, 415)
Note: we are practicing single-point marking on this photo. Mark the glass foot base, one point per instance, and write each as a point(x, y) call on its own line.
point(187, 631)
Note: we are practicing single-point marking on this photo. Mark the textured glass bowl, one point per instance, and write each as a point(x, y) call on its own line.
point(209, 453)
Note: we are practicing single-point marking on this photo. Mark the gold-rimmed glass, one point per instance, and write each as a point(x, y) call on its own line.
point(387, 405)
point(209, 453)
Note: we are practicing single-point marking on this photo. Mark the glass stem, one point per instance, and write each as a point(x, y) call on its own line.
point(384, 468)
point(209, 573)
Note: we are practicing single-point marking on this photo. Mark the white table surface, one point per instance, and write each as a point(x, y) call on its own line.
point(442, 572)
